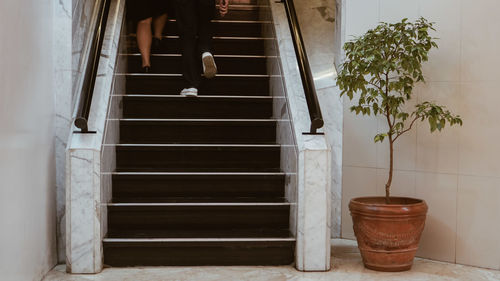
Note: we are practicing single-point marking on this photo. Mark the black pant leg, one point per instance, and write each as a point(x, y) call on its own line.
point(206, 13)
point(188, 29)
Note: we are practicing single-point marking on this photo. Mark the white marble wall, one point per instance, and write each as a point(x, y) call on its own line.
point(62, 38)
point(88, 190)
point(456, 171)
point(308, 156)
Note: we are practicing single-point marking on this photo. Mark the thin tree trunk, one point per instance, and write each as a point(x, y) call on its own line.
point(391, 169)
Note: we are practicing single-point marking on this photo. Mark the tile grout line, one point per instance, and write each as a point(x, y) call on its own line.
point(458, 140)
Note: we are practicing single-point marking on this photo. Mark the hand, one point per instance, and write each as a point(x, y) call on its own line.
point(223, 7)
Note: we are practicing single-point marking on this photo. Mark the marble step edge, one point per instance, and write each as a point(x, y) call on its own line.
point(236, 5)
point(193, 174)
point(207, 120)
point(180, 75)
point(215, 37)
point(236, 21)
point(201, 204)
point(168, 240)
point(199, 97)
point(193, 145)
point(215, 56)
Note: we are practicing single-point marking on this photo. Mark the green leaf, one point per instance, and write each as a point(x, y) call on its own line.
point(380, 138)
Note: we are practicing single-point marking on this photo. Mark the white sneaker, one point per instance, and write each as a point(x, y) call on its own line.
point(209, 66)
point(189, 92)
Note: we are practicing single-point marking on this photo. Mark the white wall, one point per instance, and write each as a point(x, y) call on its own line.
point(457, 172)
point(27, 162)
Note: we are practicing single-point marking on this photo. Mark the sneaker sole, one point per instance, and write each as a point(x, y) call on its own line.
point(189, 95)
point(209, 67)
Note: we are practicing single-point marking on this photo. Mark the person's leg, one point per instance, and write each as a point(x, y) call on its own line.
point(159, 24)
point(206, 13)
point(144, 39)
point(187, 21)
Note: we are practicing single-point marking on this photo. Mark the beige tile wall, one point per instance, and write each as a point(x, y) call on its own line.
point(458, 171)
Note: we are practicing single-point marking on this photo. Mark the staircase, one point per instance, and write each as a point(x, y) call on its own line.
point(198, 180)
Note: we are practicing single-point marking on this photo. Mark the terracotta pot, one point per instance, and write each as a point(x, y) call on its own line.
point(388, 235)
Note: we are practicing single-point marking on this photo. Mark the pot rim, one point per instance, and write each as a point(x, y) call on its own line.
point(356, 200)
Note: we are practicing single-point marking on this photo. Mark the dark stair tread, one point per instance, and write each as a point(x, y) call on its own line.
point(201, 132)
point(198, 199)
point(222, 45)
point(199, 253)
point(223, 28)
point(220, 85)
point(198, 158)
point(225, 64)
point(203, 233)
point(222, 186)
point(245, 12)
point(220, 217)
point(247, 2)
point(201, 107)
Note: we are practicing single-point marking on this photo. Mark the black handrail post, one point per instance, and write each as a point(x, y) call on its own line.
point(305, 69)
point(81, 123)
point(87, 91)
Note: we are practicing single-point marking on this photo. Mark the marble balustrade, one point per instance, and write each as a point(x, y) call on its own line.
point(87, 187)
point(305, 158)
point(73, 22)
point(318, 22)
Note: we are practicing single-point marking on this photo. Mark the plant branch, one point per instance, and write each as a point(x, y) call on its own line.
point(387, 107)
point(375, 85)
point(408, 129)
point(391, 171)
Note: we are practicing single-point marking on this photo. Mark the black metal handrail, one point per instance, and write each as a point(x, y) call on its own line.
point(85, 101)
point(304, 68)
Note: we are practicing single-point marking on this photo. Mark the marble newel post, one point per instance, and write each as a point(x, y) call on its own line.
point(83, 206)
point(313, 205)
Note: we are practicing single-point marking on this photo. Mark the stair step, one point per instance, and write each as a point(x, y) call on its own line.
point(226, 64)
point(198, 131)
point(247, 13)
point(220, 85)
point(127, 187)
point(226, 28)
point(199, 199)
point(198, 158)
point(249, 2)
point(221, 218)
point(199, 253)
point(205, 234)
point(141, 106)
point(222, 45)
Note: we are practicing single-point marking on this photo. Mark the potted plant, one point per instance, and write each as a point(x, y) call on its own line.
point(382, 68)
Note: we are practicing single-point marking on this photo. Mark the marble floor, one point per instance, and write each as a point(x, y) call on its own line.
point(346, 266)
